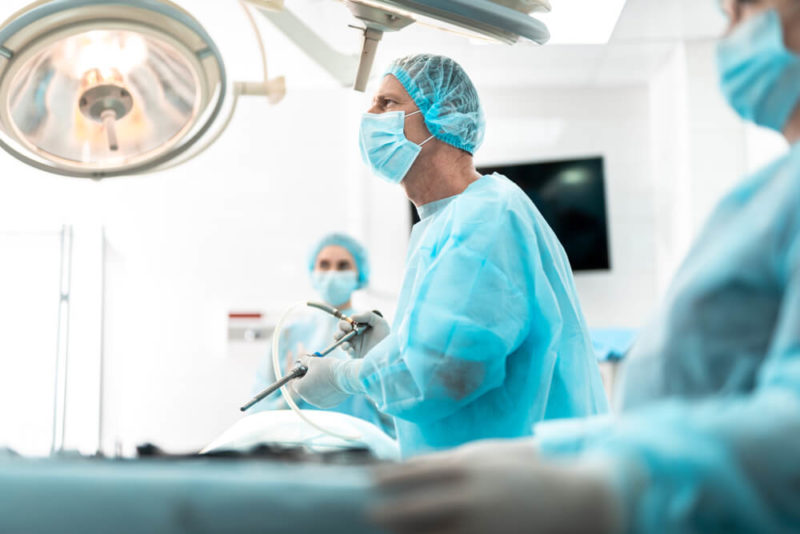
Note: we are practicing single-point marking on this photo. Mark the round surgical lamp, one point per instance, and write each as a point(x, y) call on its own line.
point(100, 88)
point(504, 21)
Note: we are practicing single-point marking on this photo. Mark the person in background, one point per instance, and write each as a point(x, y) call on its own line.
point(709, 435)
point(338, 265)
point(489, 337)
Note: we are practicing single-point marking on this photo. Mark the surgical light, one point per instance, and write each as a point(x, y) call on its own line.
point(504, 21)
point(97, 88)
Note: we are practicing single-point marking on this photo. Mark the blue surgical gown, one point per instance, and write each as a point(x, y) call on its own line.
point(488, 337)
point(710, 437)
point(309, 332)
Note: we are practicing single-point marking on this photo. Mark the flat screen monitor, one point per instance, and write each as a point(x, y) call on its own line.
point(571, 196)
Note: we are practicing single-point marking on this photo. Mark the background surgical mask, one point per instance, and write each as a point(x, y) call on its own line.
point(759, 76)
point(334, 287)
point(384, 146)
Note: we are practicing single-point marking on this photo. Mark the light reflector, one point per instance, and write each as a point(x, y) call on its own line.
point(103, 88)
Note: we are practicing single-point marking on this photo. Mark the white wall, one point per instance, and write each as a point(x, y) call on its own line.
point(701, 149)
point(29, 290)
point(716, 134)
point(669, 125)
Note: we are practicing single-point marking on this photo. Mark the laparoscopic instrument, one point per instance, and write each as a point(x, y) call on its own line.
point(300, 370)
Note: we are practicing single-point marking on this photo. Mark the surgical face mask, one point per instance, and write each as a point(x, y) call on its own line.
point(334, 287)
point(759, 76)
point(384, 146)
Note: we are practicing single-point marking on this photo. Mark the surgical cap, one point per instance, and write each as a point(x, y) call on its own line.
point(353, 247)
point(445, 95)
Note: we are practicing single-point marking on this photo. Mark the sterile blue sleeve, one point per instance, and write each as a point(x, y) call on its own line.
point(466, 317)
point(726, 463)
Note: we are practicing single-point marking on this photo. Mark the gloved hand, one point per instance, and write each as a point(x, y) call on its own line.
point(497, 487)
point(359, 346)
point(328, 381)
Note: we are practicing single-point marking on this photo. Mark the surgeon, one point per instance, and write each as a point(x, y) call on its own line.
point(709, 438)
point(488, 336)
point(338, 265)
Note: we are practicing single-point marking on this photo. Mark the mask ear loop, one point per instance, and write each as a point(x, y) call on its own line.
point(414, 113)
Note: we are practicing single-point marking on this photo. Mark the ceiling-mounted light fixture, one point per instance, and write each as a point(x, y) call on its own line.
point(99, 88)
point(504, 21)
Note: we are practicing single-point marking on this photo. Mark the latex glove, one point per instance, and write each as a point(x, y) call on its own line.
point(497, 487)
point(359, 346)
point(328, 382)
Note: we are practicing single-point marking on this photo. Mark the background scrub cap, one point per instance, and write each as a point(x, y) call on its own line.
point(354, 247)
point(445, 95)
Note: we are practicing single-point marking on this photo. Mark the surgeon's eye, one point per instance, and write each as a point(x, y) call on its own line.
point(324, 265)
point(344, 265)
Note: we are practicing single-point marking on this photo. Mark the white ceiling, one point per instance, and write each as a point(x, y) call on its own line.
point(646, 32)
point(653, 20)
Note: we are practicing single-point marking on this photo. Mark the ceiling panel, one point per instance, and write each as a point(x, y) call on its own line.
point(659, 20)
point(630, 64)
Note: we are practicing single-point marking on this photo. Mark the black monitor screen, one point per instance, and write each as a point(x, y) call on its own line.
point(571, 197)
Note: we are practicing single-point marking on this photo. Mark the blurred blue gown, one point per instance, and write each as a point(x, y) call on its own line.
point(310, 332)
point(488, 337)
point(711, 440)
